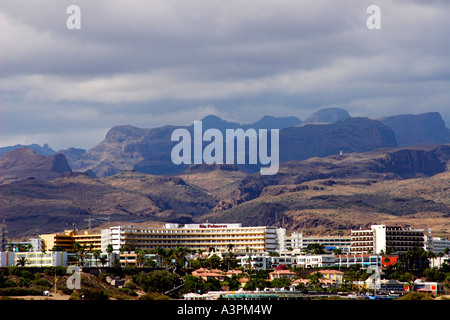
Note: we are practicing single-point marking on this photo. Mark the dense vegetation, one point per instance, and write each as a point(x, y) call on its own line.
point(174, 277)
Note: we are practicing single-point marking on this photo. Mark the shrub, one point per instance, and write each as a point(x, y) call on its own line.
point(154, 296)
point(130, 285)
point(128, 291)
point(102, 277)
point(16, 291)
point(42, 282)
point(27, 275)
point(59, 271)
point(14, 270)
point(23, 282)
point(9, 284)
point(89, 294)
point(417, 296)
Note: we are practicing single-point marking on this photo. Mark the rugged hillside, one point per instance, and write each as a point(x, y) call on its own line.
point(112, 155)
point(266, 199)
point(48, 206)
point(335, 206)
point(149, 150)
point(218, 180)
point(321, 140)
point(23, 163)
point(425, 128)
point(333, 176)
point(331, 194)
point(72, 155)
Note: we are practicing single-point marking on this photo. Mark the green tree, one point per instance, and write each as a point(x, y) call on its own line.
point(22, 261)
point(109, 251)
point(193, 284)
point(315, 283)
point(256, 283)
point(103, 260)
point(179, 255)
point(282, 282)
point(233, 282)
point(316, 248)
point(96, 254)
point(215, 261)
point(156, 281)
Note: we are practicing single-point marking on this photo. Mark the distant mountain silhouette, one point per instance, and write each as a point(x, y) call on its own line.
point(149, 150)
point(321, 140)
point(326, 132)
point(44, 150)
point(267, 122)
point(23, 163)
point(328, 115)
point(422, 128)
point(72, 154)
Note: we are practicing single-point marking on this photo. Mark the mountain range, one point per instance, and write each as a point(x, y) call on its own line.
point(337, 172)
point(148, 150)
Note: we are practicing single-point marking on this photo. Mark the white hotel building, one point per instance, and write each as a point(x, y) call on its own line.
point(195, 237)
point(381, 238)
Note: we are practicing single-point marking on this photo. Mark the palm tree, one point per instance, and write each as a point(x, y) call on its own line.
point(96, 255)
point(103, 260)
point(179, 255)
point(440, 255)
point(160, 253)
point(82, 251)
point(140, 258)
point(230, 248)
point(22, 261)
point(315, 280)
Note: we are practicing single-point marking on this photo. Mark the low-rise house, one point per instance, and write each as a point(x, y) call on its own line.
point(392, 285)
point(233, 272)
point(207, 274)
point(334, 275)
point(281, 274)
point(428, 287)
point(324, 283)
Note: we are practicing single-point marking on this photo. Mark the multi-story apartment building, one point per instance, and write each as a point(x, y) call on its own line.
point(63, 241)
point(364, 260)
point(66, 240)
point(437, 244)
point(40, 259)
point(297, 241)
point(195, 236)
point(387, 239)
point(93, 241)
point(315, 260)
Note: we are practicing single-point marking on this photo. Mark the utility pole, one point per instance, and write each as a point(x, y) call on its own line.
point(90, 219)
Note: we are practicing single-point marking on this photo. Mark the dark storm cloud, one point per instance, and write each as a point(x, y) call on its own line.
point(149, 63)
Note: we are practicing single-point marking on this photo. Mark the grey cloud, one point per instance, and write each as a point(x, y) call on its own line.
point(155, 62)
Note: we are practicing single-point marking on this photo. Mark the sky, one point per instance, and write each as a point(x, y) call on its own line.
point(150, 63)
